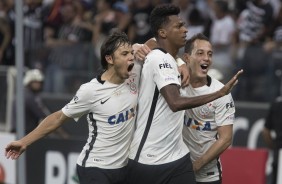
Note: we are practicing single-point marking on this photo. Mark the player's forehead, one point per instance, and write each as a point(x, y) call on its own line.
point(123, 47)
point(202, 45)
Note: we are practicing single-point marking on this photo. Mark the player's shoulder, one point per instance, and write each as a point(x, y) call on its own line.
point(89, 87)
point(216, 83)
point(156, 54)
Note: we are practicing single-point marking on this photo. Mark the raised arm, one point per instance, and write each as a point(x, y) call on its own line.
point(176, 102)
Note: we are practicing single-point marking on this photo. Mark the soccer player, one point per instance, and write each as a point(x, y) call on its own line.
point(158, 154)
point(110, 102)
point(207, 129)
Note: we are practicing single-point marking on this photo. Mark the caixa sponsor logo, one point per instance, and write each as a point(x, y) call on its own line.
point(121, 117)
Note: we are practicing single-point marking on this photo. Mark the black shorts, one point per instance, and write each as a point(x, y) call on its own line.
point(176, 172)
point(211, 182)
point(95, 175)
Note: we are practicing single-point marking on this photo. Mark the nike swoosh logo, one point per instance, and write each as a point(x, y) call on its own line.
point(102, 102)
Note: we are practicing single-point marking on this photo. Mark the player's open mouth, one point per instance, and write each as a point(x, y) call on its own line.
point(204, 66)
point(130, 67)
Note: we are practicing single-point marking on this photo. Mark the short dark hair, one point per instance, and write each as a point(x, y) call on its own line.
point(222, 5)
point(111, 44)
point(190, 42)
point(159, 16)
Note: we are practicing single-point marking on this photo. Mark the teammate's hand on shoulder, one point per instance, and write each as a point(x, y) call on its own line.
point(140, 51)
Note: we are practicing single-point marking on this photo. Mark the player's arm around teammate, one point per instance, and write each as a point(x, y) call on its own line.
point(141, 51)
point(171, 92)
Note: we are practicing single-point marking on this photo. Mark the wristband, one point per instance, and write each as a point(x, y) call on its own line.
point(180, 62)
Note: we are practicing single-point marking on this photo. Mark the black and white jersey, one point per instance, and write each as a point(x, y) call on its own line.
point(164, 143)
point(111, 113)
point(200, 126)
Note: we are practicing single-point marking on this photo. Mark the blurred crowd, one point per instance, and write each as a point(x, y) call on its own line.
point(63, 37)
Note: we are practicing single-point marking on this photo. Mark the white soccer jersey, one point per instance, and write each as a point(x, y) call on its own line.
point(164, 143)
point(200, 127)
point(111, 110)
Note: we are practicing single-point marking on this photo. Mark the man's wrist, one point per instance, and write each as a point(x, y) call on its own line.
point(180, 62)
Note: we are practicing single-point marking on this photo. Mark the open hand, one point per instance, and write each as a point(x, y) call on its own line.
point(14, 150)
point(228, 86)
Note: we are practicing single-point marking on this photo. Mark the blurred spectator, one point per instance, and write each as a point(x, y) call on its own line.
point(254, 25)
point(70, 31)
point(273, 47)
point(52, 15)
point(110, 15)
point(254, 22)
point(32, 31)
point(122, 16)
point(139, 29)
point(276, 4)
point(33, 24)
point(274, 141)
point(196, 23)
point(185, 9)
point(222, 39)
point(33, 27)
point(66, 45)
point(103, 23)
point(35, 110)
point(239, 6)
point(203, 7)
point(5, 36)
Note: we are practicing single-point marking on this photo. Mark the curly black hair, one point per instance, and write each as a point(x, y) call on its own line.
point(159, 16)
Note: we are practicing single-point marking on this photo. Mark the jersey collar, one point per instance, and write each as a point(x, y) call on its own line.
point(209, 81)
point(99, 79)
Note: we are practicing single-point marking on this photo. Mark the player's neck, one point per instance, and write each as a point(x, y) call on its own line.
point(111, 76)
point(197, 82)
point(171, 49)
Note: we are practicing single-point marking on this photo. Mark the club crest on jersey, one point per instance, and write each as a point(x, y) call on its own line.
point(121, 117)
point(132, 86)
point(206, 110)
point(75, 99)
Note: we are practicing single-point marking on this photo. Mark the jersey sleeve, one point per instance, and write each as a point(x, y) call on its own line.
point(165, 70)
point(225, 111)
point(80, 104)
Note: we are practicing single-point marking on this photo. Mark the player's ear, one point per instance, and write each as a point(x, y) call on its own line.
point(109, 59)
point(186, 58)
point(162, 33)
